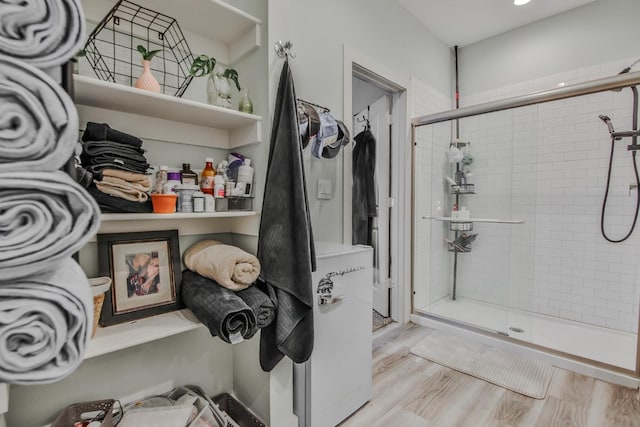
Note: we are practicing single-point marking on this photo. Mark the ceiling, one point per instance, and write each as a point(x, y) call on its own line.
point(462, 22)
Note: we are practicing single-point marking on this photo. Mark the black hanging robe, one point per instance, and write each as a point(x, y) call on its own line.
point(363, 190)
point(285, 242)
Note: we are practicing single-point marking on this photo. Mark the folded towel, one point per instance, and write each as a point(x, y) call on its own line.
point(98, 168)
point(133, 165)
point(219, 309)
point(93, 148)
point(119, 188)
point(112, 204)
point(102, 132)
point(138, 180)
point(229, 266)
point(38, 120)
point(44, 33)
point(45, 324)
point(45, 217)
point(260, 303)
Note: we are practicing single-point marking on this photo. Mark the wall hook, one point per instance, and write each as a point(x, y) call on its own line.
point(283, 49)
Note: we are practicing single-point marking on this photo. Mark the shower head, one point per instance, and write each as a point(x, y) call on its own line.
point(607, 121)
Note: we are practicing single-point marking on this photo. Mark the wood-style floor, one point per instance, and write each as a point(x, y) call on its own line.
point(409, 391)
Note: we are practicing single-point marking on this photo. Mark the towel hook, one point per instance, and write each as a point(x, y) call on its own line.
point(283, 49)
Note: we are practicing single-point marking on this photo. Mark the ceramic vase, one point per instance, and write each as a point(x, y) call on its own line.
point(146, 81)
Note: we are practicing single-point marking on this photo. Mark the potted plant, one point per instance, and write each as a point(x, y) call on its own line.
point(146, 81)
point(218, 77)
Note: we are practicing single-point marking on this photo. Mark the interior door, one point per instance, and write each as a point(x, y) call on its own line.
point(378, 115)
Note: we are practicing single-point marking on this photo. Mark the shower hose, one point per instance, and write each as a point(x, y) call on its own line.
point(635, 169)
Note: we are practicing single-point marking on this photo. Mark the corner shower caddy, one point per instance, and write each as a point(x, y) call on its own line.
point(460, 226)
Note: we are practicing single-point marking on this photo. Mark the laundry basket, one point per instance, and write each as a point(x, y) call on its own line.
point(237, 411)
point(73, 413)
point(99, 286)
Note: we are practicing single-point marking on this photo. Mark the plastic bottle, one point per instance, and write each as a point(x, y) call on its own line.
point(198, 202)
point(161, 178)
point(173, 179)
point(208, 173)
point(218, 186)
point(187, 176)
point(245, 174)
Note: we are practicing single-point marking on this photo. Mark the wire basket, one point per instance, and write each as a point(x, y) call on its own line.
point(98, 409)
point(111, 48)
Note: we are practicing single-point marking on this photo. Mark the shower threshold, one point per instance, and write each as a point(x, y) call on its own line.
point(602, 345)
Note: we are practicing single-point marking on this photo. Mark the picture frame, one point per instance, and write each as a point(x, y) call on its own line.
point(144, 268)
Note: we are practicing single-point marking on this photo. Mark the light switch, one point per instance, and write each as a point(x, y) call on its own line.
point(324, 189)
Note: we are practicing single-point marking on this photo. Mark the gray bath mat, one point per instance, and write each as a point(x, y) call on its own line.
point(500, 367)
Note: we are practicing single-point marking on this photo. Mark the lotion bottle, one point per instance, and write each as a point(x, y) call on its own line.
point(245, 174)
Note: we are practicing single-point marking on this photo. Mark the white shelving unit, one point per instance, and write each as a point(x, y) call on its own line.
point(186, 223)
point(119, 337)
point(164, 117)
point(230, 35)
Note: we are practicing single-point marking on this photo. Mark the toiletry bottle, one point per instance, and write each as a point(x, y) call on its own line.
point(245, 174)
point(187, 176)
point(173, 179)
point(206, 183)
point(161, 178)
point(218, 186)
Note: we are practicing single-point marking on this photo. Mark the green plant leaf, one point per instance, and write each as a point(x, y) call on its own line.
point(147, 55)
point(151, 54)
point(202, 66)
point(232, 74)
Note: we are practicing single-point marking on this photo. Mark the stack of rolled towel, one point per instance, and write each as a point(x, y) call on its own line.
point(217, 287)
point(117, 162)
point(46, 304)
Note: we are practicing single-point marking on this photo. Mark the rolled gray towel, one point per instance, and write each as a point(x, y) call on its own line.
point(220, 309)
point(38, 120)
point(45, 217)
point(44, 33)
point(45, 324)
point(260, 303)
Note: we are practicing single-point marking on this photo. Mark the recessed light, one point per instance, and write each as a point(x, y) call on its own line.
point(520, 2)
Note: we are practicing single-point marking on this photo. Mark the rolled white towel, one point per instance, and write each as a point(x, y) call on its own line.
point(44, 33)
point(38, 120)
point(45, 325)
point(44, 218)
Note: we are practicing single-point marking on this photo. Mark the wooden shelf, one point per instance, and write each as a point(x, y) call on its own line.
point(125, 335)
point(214, 126)
point(234, 33)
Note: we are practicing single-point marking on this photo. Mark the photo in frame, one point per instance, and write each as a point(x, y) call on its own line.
point(145, 271)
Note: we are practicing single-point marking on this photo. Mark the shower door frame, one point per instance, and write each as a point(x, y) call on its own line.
point(594, 86)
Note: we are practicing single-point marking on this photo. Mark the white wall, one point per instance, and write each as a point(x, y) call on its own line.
point(599, 32)
point(379, 29)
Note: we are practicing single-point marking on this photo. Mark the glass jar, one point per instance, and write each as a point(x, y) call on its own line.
point(245, 105)
point(218, 90)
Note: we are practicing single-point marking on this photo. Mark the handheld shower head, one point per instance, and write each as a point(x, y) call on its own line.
point(607, 121)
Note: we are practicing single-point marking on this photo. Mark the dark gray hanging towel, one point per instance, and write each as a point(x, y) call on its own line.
point(285, 243)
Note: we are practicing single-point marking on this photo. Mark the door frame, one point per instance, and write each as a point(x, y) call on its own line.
point(368, 69)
